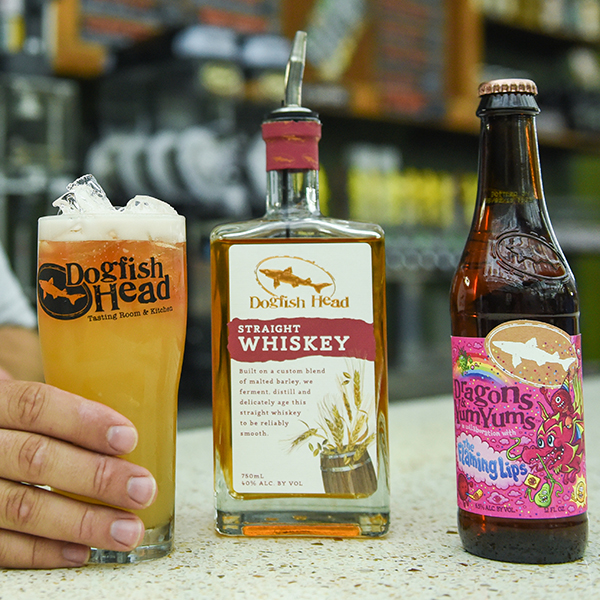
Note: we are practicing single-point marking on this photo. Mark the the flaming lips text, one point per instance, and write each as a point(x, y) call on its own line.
point(284, 339)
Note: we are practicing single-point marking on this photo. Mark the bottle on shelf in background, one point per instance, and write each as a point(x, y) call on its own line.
point(516, 355)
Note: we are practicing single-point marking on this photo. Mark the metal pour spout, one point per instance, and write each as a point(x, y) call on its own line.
point(294, 71)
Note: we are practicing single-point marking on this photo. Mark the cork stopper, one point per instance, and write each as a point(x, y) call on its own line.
point(292, 144)
point(508, 86)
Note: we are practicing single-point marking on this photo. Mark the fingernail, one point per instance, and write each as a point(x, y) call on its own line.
point(128, 532)
point(142, 489)
point(76, 554)
point(122, 438)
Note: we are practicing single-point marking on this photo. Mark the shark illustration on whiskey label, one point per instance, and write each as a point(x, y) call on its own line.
point(293, 273)
point(287, 276)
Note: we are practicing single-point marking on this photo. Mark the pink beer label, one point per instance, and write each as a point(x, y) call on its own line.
point(519, 422)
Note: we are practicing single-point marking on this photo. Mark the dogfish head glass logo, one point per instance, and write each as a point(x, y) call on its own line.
point(59, 300)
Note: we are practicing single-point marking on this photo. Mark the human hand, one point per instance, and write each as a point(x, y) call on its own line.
point(53, 438)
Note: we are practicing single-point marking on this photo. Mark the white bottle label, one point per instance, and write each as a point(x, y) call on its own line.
point(302, 349)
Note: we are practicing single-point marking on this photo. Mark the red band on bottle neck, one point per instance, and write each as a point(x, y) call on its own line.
point(292, 144)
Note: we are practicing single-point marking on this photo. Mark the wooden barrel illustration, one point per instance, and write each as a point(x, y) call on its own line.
point(342, 475)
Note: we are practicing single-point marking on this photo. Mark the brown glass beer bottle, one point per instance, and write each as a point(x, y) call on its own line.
point(516, 354)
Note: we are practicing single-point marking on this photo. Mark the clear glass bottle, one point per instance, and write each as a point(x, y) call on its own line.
point(299, 352)
point(516, 354)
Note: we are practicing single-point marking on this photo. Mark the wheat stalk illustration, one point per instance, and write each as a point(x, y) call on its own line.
point(345, 432)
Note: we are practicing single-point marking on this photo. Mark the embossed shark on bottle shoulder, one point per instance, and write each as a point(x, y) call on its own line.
point(520, 351)
point(280, 276)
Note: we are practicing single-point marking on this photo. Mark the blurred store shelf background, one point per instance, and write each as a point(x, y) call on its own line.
point(165, 97)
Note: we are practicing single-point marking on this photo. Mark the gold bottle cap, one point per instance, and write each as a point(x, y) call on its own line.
point(507, 86)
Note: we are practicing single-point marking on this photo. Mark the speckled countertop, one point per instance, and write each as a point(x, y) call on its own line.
point(420, 558)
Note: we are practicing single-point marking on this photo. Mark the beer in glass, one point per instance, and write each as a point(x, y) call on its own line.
point(112, 321)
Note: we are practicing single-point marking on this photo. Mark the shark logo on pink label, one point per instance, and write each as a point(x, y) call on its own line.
point(519, 422)
point(532, 352)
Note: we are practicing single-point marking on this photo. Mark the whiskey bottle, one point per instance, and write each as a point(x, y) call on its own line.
point(299, 352)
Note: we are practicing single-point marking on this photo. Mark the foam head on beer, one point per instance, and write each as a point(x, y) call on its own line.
point(89, 214)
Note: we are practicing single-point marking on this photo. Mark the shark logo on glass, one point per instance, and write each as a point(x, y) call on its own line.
point(59, 300)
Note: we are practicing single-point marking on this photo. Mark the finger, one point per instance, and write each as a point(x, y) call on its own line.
point(47, 410)
point(41, 460)
point(22, 551)
point(35, 511)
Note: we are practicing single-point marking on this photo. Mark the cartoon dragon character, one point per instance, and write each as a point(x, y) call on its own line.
point(559, 439)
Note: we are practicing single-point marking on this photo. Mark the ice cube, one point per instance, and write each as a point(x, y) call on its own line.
point(148, 205)
point(84, 195)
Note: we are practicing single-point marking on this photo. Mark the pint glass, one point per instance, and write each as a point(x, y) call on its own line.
point(112, 320)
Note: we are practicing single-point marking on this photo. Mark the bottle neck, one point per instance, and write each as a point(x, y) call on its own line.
point(509, 166)
point(292, 194)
